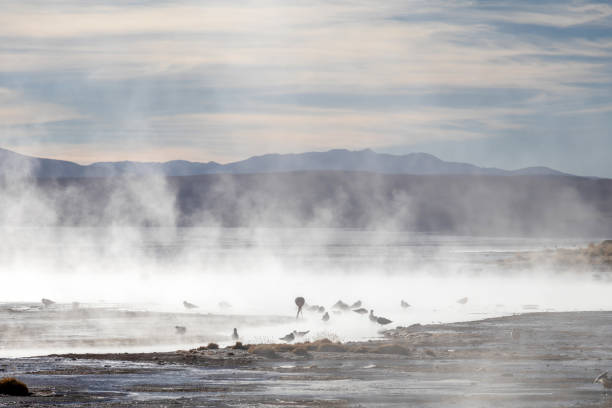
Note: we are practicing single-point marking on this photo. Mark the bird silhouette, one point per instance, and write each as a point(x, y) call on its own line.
point(463, 300)
point(180, 329)
point(341, 305)
point(372, 317)
point(299, 301)
point(235, 335)
point(356, 304)
point(288, 338)
point(189, 305)
point(604, 380)
point(325, 317)
point(47, 302)
point(404, 304)
point(383, 320)
point(224, 305)
point(300, 334)
point(361, 310)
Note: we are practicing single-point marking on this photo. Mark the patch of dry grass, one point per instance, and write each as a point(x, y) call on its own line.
point(326, 345)
point(391, 349)
point(266, 350)
point(240, 346)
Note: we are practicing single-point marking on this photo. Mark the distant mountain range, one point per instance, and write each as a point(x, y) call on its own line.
point(338, 160)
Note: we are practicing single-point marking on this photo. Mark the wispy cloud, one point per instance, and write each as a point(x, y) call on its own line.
point(224, 79)
point(17, 110)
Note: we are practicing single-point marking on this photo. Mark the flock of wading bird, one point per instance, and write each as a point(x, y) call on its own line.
point(338, 307)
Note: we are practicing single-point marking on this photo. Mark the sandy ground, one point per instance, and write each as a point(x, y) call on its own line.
point(475, 364)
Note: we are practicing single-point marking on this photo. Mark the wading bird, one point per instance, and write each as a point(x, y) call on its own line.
point(299, 301)
point(288, 338)
point(235, 335)
point(47, 302)
point(404, 304)
point(604, 380)
point(463, 301)
point(325, 317)
point(372, 317)
point(300, 334)
point(383, 320)
point(315, 308)
point(361, 310)
point(341, 305)
point(180, 329)
point(356, 304)
point(189, 305)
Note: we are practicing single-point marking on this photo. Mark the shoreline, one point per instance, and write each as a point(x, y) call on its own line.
point(541, 359)
point(402, 336)
point(132, 347)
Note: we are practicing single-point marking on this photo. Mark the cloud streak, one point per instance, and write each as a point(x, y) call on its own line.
point(219, 80)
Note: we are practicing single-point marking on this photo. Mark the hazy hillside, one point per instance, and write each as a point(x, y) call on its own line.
point(341, 160)
point(490, 205)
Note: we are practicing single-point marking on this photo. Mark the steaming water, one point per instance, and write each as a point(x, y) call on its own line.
point(131, 283)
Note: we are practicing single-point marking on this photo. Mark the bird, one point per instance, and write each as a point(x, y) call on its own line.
point(361, 310)
point(180, 329)
point(372, 317)
point(325, 317)
point(288, 338)
point(341, 305)
point(356, 304)
point(299, 301)
point(315, 308)
point(235, 335)
point(404, 304)
point(312, 308)
point(47, 302)
point(383, 320)
point(224, 305)
point(300, 334)
point(463, 300)
point(515, 334)
point(189, 305)
point(604, 380)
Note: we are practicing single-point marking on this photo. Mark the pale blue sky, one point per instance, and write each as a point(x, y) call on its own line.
point(506, 84)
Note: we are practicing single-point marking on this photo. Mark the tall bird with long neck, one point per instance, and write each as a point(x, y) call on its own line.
point(299, 301)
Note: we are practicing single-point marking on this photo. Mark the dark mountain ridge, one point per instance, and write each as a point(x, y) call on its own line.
point(335, 160)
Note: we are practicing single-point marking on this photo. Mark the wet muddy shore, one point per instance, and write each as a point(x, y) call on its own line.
point(535, 359)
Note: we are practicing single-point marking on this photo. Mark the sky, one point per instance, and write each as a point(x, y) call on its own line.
point(494, 83)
